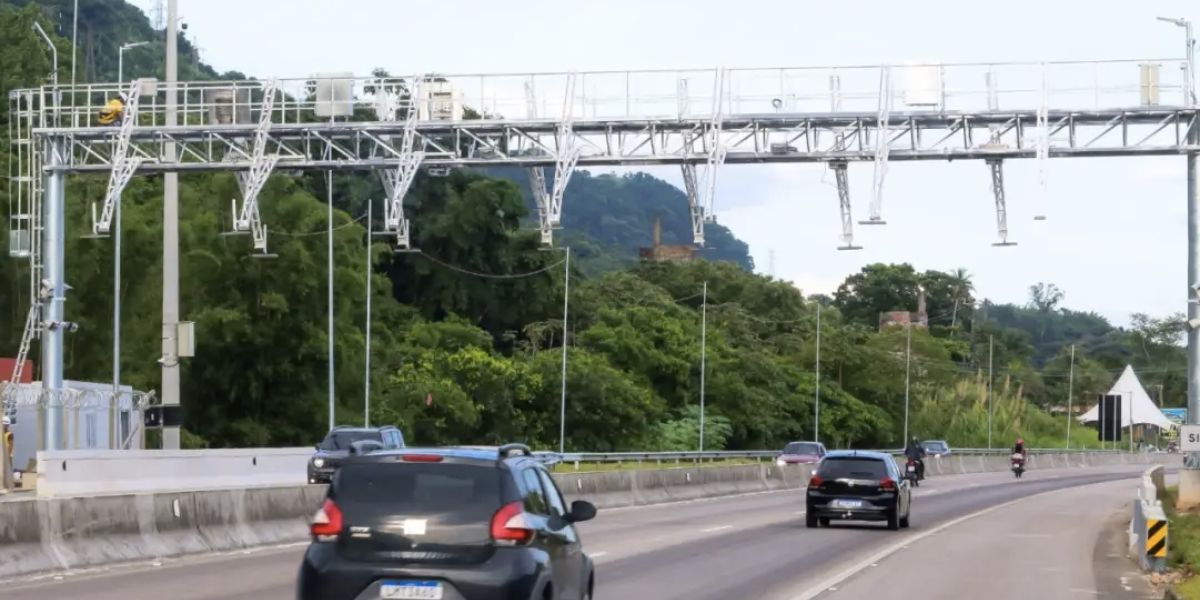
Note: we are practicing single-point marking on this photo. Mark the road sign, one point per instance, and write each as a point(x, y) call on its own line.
point(1190, 440)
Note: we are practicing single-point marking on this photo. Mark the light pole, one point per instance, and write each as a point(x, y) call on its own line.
point(817, 405)
point(1070, 395)
point(907, 374)
point(1189, 59)
point(121, 58)
point(991, 348)
point(367, 361)
point(170, 274)
point(562, 401)
point(703, 355)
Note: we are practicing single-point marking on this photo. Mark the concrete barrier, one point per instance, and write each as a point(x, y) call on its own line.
point(66, 473)
point(53, 533)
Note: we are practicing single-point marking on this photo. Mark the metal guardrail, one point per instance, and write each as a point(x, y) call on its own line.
point(620, 457)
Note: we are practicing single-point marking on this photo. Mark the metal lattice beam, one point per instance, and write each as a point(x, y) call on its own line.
point(262, 164)
point(364, 145)
point(843, 188)
point(996, 167)
point(537, 177)
point(399, 180)
point(883, 145)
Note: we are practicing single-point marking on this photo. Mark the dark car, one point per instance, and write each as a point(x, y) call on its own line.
point(936, 448)
point(342, 441)
point(801, 453)
point(449, 524)
point(858, 486)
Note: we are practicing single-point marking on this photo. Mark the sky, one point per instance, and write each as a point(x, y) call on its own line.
point(1115, 236)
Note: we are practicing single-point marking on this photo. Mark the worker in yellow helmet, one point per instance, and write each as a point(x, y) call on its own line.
point(111, 113)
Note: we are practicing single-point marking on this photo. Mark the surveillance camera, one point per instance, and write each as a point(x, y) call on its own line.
point(72, 326)
point(1194, 323)
point(777, 103)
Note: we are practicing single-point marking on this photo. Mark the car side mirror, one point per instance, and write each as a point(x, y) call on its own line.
point(581, 510)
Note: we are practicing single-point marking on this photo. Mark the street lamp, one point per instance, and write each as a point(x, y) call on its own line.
point(121, 58)
point(1189, 62)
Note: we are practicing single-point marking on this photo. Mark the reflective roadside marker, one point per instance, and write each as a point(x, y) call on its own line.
point(1156, 538)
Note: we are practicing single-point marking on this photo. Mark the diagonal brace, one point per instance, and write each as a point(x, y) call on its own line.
point(124, 163)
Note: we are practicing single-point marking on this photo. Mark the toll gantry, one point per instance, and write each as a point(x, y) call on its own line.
point(698, 119)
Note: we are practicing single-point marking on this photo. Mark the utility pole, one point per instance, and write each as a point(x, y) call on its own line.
point(562, 401)
point(991, 349)
point(170, 296)
point(703, 357)
point(1189, 477)
point(817, 405)
point(1070, 395)
point(907, 374)
point(329, 297)
point(367, 362)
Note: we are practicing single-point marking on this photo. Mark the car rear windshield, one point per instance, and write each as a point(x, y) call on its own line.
point(935, 446)
point(802, 448)
point(852, 468)
point(342, 440)
point(468, 491)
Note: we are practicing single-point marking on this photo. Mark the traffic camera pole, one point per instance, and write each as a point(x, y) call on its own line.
point(1189, 477)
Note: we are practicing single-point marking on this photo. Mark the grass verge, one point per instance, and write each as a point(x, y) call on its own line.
point(1184, 542)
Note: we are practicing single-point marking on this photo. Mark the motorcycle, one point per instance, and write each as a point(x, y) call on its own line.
point(1018, 464)
point(912, 472)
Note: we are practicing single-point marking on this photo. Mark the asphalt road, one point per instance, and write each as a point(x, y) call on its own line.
point(752, 546)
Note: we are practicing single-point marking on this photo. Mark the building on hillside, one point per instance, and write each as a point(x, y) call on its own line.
point(660, 253)
point(904, 318)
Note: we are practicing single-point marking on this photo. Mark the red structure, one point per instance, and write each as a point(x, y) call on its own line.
point(6, 369)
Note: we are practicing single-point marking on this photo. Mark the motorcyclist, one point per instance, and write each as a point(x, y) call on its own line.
point(916, 452)
point(1019, 448)
point(111, 113)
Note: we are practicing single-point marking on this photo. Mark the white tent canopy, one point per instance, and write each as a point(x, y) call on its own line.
point(1136, 405)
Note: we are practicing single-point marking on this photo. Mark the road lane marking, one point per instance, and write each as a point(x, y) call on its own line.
point(838, 579)
point(598, 554)
point(716, 529)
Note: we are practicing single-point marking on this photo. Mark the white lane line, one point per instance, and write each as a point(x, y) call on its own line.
point(598, 554)
point(836, 580)
point(716, 529)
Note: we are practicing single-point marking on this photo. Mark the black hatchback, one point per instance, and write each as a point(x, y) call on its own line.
point(446, 524)
point(858, 486)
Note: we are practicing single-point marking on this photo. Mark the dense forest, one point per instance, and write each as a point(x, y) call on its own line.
point(468, 332)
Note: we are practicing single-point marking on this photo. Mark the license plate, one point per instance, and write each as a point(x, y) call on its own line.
point(411, 590)
point(912, 468)
point(847, 503)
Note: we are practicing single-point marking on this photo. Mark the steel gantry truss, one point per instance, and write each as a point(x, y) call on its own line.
point(700, 120)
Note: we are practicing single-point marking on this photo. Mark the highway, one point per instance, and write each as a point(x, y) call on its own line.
point(1044, 534)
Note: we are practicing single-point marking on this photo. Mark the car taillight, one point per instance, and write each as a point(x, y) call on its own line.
point(509, 525)
point(888, 483)
point(424, 458)
point(816, 481)
point(328, 521)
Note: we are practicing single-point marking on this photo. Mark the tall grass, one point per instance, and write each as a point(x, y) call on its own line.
point(959, 415)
